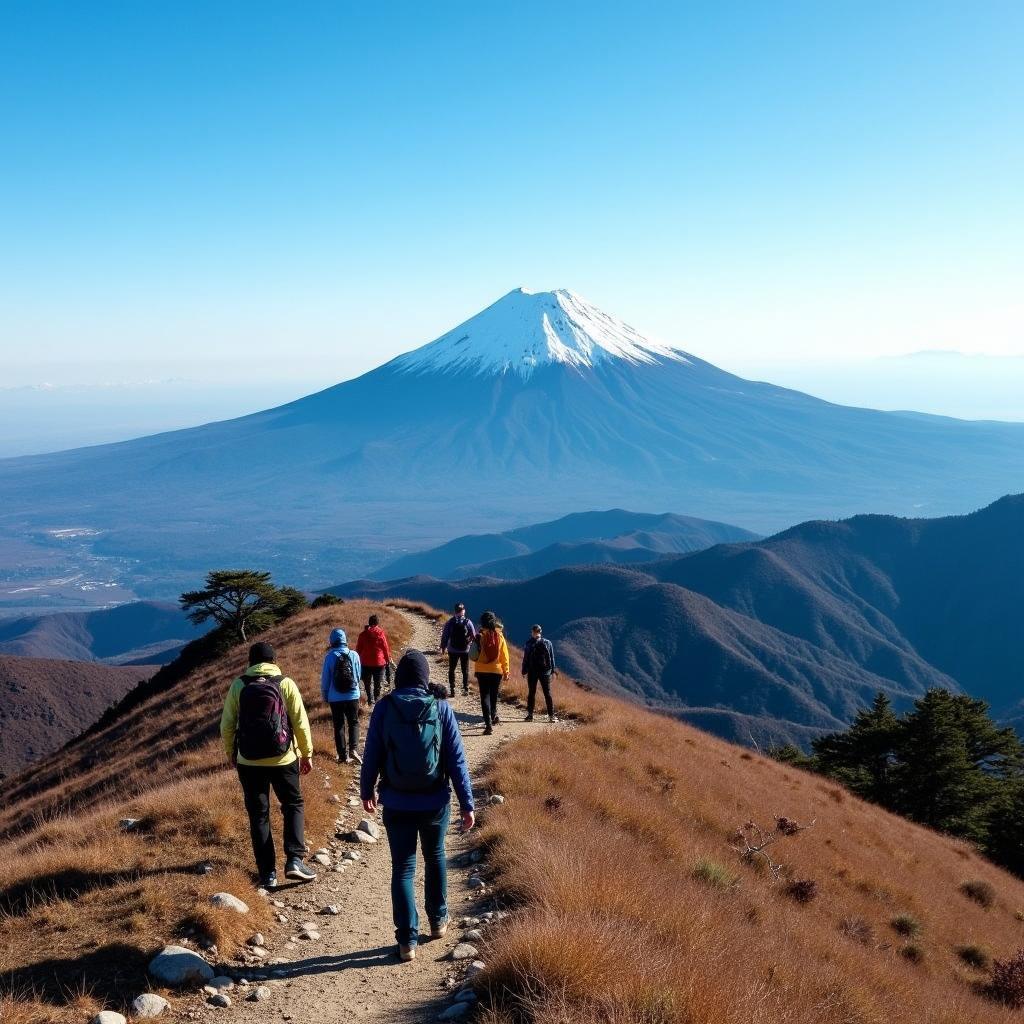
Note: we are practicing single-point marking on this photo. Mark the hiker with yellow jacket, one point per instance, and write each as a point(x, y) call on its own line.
point(267, 739)
point(490, 653)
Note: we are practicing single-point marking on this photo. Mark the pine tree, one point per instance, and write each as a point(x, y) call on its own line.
point(241, 601)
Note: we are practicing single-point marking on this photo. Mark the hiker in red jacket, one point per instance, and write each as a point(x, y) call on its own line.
point(375, 656)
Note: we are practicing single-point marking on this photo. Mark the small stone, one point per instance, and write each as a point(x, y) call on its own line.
point(488, 915)
point(336, 798)
point(323, 859)
point(176, 967)
point(469, 922)
point(277, 903)
point(256, 940)
point(260, 994)
point(109, 1017)
point(473, 935)
point(126, 825)
point(496, 799)
point(475, 968)
point(281, 918)
point(476, 856)
point(221, 1000)
point(222, 983)
point(323, 849)
point(225, 901)
point(476, 883)
point(148, 1005)
point(244, 982)
point(464, 951)
point(258, 952)
point(332, 909)
point(358, 836)
point(457, 1011)
point(350, 855)
point(309, 934)
point(351, 801)
point(370, 827)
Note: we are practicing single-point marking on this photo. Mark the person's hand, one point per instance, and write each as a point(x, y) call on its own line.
point(468, 821)
point(305, 765)
point(370, 806)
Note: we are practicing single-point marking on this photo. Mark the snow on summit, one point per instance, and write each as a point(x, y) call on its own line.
point(524, 330)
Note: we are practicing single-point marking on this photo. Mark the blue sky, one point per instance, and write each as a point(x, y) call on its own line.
point(234, 191)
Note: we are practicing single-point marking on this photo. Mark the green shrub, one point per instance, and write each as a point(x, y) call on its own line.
point(912, 952)
point(713, 873)
point(981, 893)
point(974, 956)
point(906, 925)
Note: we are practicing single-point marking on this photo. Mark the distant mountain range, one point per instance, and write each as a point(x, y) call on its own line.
point(143, 632)
point(539, 405)
point(783, 638)
point(44, 703)
point(583, 538)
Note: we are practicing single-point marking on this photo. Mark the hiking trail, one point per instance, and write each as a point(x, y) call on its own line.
point(351, 972)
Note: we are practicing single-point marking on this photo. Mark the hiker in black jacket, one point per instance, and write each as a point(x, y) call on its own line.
point(539, 667)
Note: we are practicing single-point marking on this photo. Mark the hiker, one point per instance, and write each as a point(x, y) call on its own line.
point(414, 748)
point(267, 739)
point(375, 656)
point(539, 667)
point(339, 686)
point(456, 639)
point(492, 667)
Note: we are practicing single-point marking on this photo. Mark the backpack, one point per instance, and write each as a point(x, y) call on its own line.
point(413, 745)
point(264, 729)
point(458, 635)
point(490, 645)
point(541, 661)
point(344, 676)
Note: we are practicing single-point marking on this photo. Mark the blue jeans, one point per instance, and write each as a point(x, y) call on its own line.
point(404, 828)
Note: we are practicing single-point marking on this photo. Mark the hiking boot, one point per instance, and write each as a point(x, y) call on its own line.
point(357, 757)
point(439, 930)
point(529, 717)
point(552, 719)
point(406, 953)
point(299, 871)
point(496, 720)
point(268, 881)
point(465, 691)
point(488, 730)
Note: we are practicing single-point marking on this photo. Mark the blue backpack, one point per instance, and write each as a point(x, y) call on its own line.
point(413, 744)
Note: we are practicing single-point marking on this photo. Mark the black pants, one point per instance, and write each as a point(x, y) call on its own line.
point(373, 676)
point(463, 661)
point(257, 782)
point(544, 678)
point(489, 683)
point(345, 716)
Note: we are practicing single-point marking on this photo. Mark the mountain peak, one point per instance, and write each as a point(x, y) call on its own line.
point(524, 331)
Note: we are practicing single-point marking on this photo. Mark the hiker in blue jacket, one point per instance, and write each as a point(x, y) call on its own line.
point(339, 686)
point(414, 749)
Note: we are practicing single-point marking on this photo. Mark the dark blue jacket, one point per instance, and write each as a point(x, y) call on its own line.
point(528, 653)
point(446, 635)
point(413, 673)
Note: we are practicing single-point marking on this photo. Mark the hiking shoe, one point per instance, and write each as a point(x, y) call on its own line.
point(269, 881)
point(345, 760)
point(299, 871)
point(528, 718)
point(406, 953)
point(496, 720)
point(438, 931)
point(552, 719)
point(488, 730)
point(357, 757)
point(465, 691)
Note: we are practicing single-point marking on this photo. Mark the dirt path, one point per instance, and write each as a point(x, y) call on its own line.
point(351, 972)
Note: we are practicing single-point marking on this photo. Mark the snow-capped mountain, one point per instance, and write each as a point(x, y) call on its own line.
point(538, 406)
point(524, 331)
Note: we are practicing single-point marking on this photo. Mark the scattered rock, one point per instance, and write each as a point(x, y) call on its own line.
point(351, 801)
point(336, 798)
point(331, 909)
point(281, 918)
point(309, 934)
point(244, 982)
point(464, 951)
point(205, 868)
point(148, 1005)
point(221, 1000)
point(496, 799)
point(222, 983)
point(276, 903)
point(476, 856)
point(457, 1011)
point(126, 825)
point(475, 968)
point(256, 940)
point(258, 952)
point(473, 935)
point(323, 849)
point(225, 901)
point(370, 827)
point(177, 967)
point(350, 855)
point(323, 859)
point(109, 1017)
point(260, 994)
point(469, 922)
point(358, 836)
point(476, 883)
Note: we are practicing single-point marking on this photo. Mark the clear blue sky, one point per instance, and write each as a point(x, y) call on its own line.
point(288, 189)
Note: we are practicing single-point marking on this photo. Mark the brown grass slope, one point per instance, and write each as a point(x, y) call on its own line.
point(83, 905)
point(45, 702)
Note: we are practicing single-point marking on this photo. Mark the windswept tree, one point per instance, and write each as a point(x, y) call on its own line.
point(241, 601)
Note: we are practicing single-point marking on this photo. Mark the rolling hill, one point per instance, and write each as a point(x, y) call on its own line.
point(537, 406)
point(583, 538)
point(785, 637)
point(44, 703)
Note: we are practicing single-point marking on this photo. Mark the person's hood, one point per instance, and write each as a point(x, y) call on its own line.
point(338, 638)
point(413, 672)
point(262, 668)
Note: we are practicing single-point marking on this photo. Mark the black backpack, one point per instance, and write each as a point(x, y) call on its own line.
point(344, 674)
point(264, 729)
point(541, 661)
point(459, 634)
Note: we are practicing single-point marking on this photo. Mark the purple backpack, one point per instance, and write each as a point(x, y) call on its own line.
point(264, 729)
